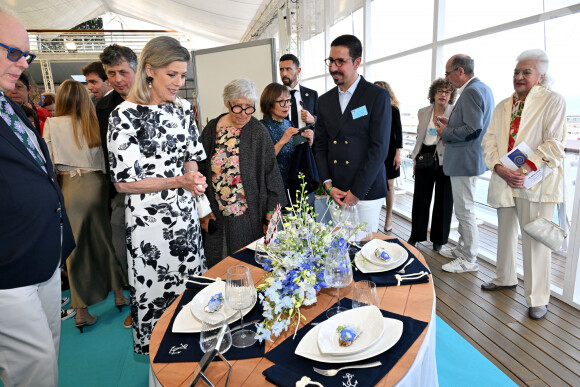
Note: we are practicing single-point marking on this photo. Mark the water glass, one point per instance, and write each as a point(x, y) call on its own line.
point(210, 328)
point(260, 253)
point(364, 294)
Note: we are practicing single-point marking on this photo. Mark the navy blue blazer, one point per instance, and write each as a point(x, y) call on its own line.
point(31, 205)
point(352, 151)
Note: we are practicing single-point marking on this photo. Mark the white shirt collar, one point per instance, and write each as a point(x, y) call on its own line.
point(460, 90)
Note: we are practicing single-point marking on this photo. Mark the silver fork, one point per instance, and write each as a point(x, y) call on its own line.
point(334, 372)
point(402, 271)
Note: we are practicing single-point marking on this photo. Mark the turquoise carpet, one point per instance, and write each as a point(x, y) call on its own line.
point(460, 364)
point(103, 355)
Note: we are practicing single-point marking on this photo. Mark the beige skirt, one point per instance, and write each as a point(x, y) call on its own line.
point(93, 270)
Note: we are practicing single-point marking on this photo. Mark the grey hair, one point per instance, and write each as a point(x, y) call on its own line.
point(465, 62)
point(240, 88)
point(542, 64)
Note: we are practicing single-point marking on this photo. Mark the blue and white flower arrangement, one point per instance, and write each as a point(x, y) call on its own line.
point(295, 266)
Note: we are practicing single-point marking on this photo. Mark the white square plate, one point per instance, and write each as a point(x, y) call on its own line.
point(367, 318)
point(308, 346)
point(398, 254)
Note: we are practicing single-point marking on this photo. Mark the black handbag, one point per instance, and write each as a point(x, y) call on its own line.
point(427, 161)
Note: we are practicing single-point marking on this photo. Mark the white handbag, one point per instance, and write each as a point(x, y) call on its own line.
point(545, 231)
point(203, 207)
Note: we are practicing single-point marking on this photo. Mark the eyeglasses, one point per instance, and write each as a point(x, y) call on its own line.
point(338, 61)
point(284, 102)
point(238, 109)
point(444, 91)
point(15, 54)
point(449, 72)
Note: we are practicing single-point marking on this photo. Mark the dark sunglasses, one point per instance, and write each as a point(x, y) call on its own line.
point(14, 54)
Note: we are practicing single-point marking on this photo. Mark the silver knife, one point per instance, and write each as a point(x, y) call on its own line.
point(239, 326)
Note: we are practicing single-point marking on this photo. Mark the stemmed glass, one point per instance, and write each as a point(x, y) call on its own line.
point(364, 293)
point(240, 295)
point(210, 328)
point(337, 273)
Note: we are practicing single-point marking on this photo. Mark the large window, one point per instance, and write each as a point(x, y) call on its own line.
point(397, 26)
point(406, 50)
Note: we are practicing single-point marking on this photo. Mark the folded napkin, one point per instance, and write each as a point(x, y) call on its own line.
point(184, 347)
point(387, 278)
point(289, 367)
point(247, 256)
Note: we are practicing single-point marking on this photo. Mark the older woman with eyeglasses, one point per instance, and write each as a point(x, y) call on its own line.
point(244, 181)
point(429, 145)
point(275, 104)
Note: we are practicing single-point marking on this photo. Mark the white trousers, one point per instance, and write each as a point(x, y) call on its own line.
point(30, 334)
point(537, 257)
point(463, 188)
point(369, 211)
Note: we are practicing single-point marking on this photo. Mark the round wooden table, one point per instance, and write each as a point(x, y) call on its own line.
point(416, 301)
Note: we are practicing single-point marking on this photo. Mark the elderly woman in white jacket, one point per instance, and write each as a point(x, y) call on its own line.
point(536, 116)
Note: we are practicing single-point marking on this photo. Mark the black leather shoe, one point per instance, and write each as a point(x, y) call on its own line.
point(436, 247)
point(491, 286)
point(412, 242)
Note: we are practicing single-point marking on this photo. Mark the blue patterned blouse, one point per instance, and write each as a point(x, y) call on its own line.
point(284, 157)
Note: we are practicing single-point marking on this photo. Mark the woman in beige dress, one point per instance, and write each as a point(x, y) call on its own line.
point(74, 143)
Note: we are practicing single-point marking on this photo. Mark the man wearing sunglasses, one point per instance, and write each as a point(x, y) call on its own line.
point(34, 232)
point(352, 134)
point(462, 134)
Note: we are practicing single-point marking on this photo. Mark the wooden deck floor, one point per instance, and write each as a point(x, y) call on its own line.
point(487, 241)
point(530, 352)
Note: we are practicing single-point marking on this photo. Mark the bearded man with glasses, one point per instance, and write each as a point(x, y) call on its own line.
point(352, 134)
point(34, 232)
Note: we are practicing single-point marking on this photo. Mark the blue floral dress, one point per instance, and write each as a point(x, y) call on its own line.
point(164, 244)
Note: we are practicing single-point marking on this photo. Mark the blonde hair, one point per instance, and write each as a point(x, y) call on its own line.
point(394, 101)
point(159, 52)
point(73, 99)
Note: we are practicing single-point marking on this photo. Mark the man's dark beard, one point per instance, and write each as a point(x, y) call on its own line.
point(336, 82)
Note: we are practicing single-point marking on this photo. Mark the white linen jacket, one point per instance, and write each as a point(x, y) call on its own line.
point(543, 128)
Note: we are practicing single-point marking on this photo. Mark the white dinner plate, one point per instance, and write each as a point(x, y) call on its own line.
point(308, 346)
point(398, 253)
point(199, 302)
point(186, 322)
point(367, 318)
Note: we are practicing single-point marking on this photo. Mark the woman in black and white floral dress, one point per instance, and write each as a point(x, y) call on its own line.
point(153, 153)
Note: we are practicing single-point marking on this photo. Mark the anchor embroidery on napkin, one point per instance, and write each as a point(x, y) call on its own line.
point(177, 350)
point(348, 382)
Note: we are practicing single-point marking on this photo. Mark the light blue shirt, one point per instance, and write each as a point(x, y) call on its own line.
point(345, 96)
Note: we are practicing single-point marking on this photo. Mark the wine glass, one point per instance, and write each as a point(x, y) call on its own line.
point(240, 295)
point(210, 328)
point(364, 293)
point(337, 273)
